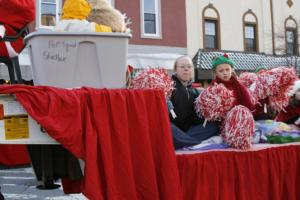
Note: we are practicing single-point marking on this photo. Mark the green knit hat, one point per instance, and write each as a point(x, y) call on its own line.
point(221, 60)
point(260, 68)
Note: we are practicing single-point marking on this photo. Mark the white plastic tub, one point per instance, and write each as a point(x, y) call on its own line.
point(64, 59)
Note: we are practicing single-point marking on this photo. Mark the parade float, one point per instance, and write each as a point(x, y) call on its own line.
point(122, 137)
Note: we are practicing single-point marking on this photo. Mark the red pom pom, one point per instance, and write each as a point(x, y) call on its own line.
point(238, 128)
point(226, 55)
point(279, 101)
point(214, 102)
point(153, 79)
point(274, 81)
point(247, 78)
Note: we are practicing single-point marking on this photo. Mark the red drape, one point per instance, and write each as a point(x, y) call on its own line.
point(123, 136)
point(272, 173)
point(12, 155)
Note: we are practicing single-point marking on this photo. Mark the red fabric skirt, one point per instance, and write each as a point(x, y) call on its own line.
point(272, 173)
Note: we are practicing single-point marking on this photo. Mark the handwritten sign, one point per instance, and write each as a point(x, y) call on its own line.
point(54, 56)
point(58, 50)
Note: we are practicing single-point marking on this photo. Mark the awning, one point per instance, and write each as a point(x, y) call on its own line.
point(244, 61)
point(144, 60)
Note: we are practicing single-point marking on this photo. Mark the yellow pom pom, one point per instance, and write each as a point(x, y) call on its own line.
point(76, 9)
point(102, 28)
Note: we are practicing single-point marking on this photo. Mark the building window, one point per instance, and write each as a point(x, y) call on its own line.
point(291, 42)
point(250, 31)
point(250, 37)
point(210, 34)
point(48, 13)
point(150, 18)
point(211, 28)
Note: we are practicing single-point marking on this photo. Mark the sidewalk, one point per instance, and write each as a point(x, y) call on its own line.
point(20, 183)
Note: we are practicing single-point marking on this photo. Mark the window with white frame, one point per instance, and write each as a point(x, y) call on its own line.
point(150, 18)
point(210, 34)
point(48, 13)
point(250, 37)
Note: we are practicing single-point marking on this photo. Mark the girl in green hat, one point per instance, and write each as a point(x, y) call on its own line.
point(223, 68)
point(263, 111)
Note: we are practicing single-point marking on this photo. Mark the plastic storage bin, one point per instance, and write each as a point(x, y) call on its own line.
point(65, 59)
